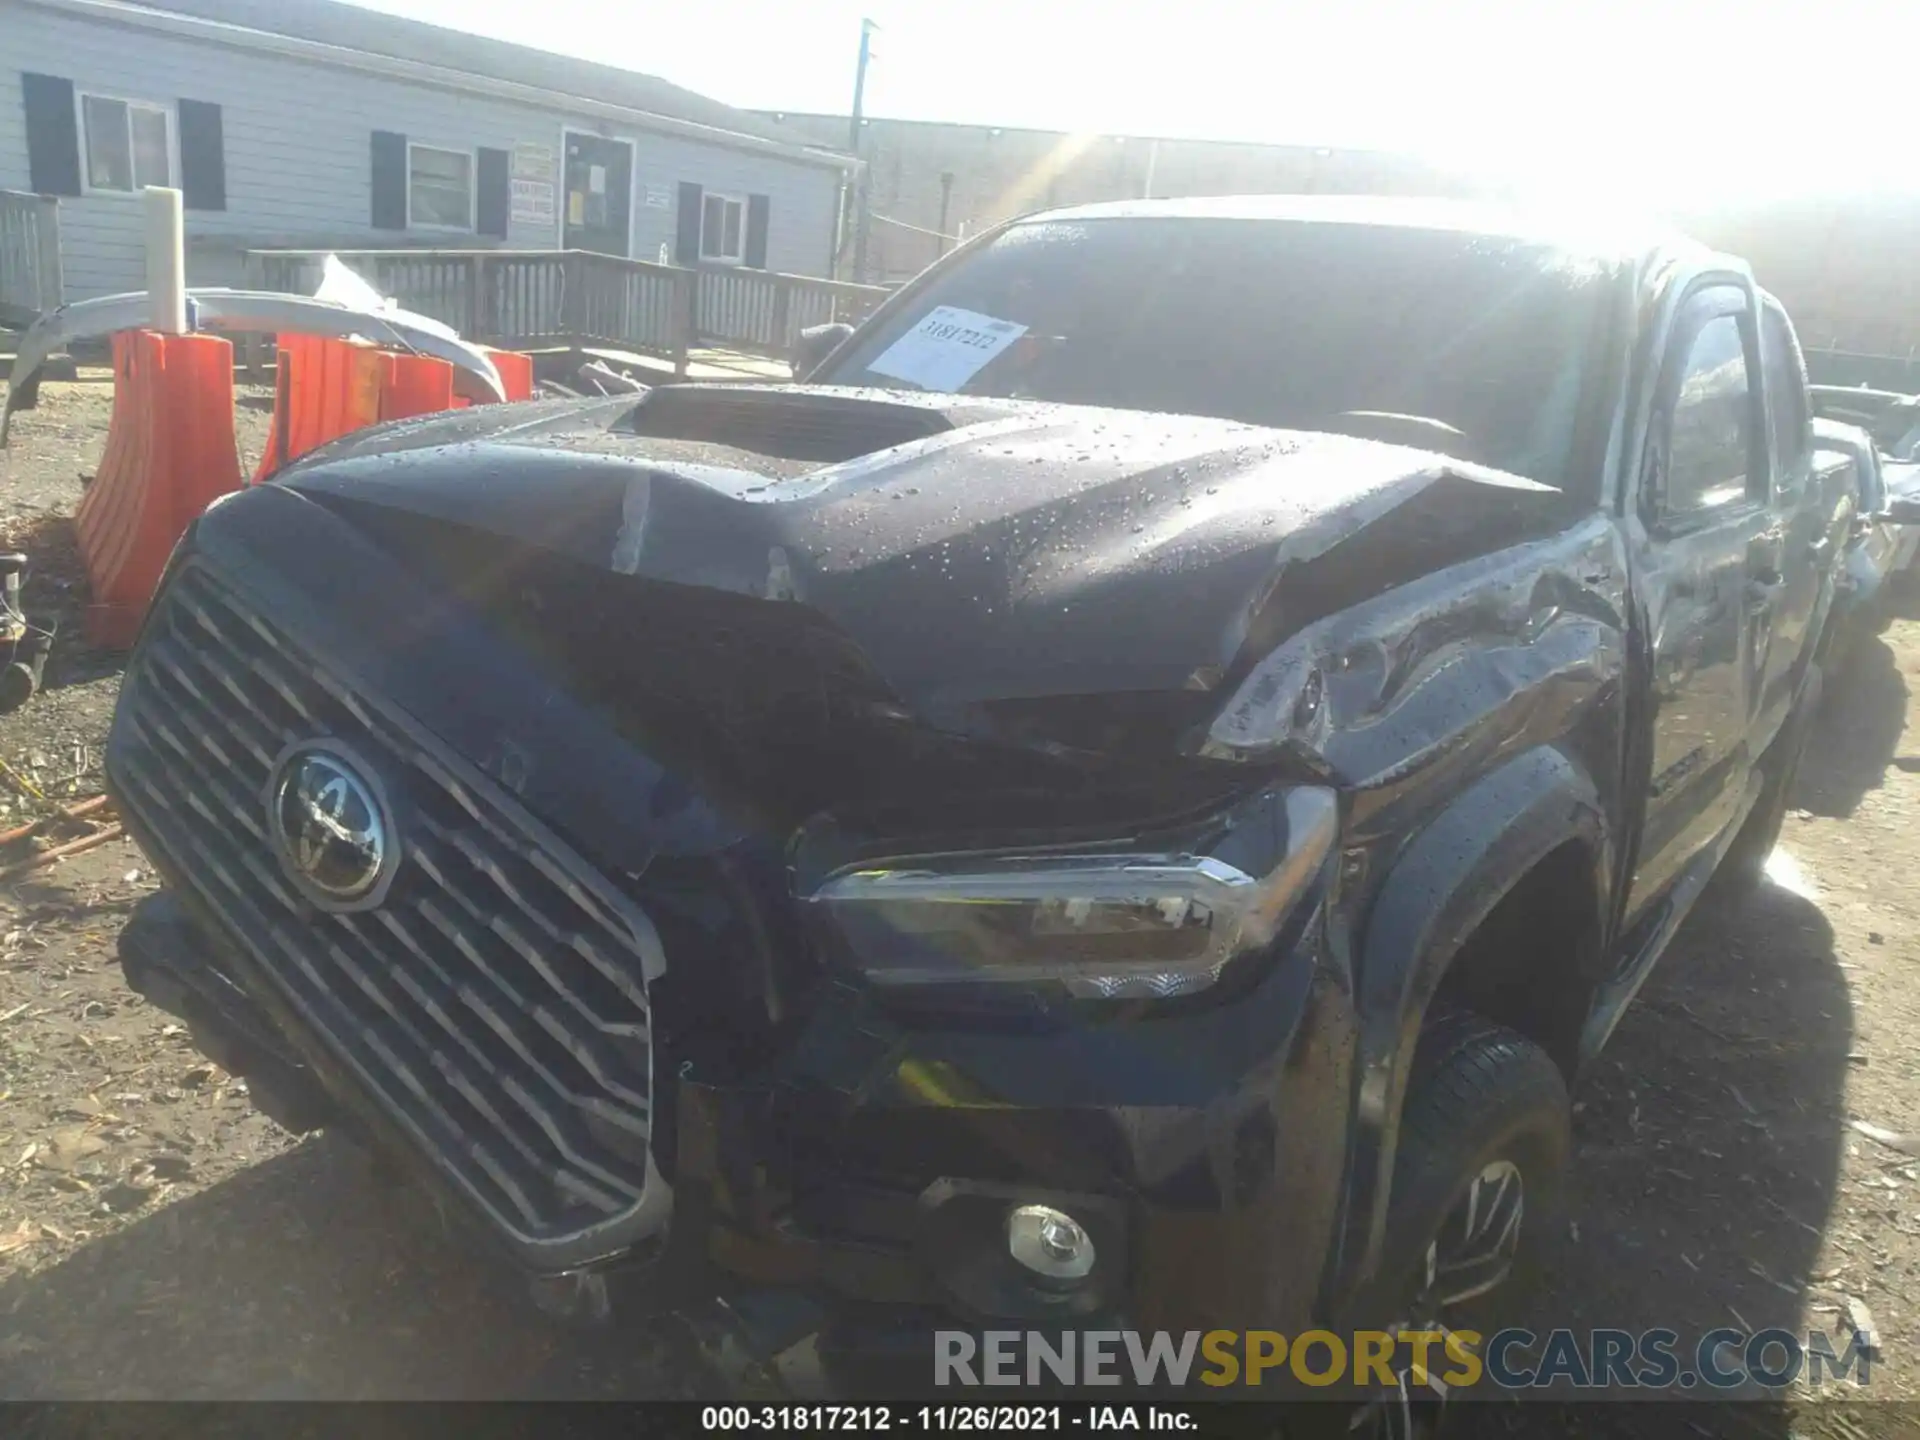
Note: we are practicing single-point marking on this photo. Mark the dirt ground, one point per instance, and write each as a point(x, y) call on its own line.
point(160, 1240)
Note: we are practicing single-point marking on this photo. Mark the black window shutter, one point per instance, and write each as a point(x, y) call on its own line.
point(203, 156)
point(495, 200)
point(389, 180)
point(53, 134)
point(756, 251)
point(686, 238)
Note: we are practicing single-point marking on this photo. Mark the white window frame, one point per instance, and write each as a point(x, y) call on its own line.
point(158, 107)
point(741, 201)
point(473, 189)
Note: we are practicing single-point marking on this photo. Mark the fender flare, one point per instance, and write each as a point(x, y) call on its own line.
point(1440, 889)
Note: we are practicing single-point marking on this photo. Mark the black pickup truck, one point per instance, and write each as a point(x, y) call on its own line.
point(1132, 794)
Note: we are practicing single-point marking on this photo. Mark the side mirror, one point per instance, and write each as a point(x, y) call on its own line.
point(816, 343)
point(1903, 509)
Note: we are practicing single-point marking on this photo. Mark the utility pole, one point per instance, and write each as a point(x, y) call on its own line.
point(861, 199)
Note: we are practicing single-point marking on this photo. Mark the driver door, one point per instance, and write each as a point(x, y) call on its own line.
point(1710, 564)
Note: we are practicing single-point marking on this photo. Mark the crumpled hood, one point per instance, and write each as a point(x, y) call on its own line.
point(973, 550)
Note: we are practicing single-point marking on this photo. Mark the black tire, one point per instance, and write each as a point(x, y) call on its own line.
point(1481, 1097)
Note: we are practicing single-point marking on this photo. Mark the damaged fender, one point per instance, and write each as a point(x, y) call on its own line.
point(1443, 887)
point(1485, 683)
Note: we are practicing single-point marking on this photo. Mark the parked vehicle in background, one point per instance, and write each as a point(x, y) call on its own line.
point(1890, 494)
point(1863, 432)
point(1129, 800)
point(1878, 550)
point(1891, 418)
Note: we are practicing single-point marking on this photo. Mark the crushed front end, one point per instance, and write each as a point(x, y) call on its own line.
point(550, 901)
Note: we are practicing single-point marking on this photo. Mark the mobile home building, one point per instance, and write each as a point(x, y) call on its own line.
point(312, 124)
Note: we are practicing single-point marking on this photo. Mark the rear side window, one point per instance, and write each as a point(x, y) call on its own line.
point(1711, 449)
point(1786, 394)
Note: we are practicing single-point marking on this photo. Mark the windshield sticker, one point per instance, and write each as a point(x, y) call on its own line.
point(947, 348)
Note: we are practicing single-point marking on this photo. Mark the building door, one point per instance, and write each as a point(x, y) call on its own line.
point(599, 194)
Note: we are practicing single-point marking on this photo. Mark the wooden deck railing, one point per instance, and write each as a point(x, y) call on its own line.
point(30, 281)
point(532, 299)
point(1830, 366)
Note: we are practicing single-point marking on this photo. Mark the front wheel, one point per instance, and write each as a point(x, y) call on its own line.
point(1481, 1166)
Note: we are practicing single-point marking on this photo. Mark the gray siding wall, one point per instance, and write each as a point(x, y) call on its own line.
point(297, 138)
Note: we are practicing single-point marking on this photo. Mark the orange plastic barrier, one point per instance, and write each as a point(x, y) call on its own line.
point(322, 389)
point(516, 376)
point(170, 453)
point(325, 388)
point(516, 373)
point(414, 385)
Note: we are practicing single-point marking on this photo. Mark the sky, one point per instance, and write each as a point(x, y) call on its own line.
point(1660, 103)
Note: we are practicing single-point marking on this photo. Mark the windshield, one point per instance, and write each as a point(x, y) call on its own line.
point(1471, 345)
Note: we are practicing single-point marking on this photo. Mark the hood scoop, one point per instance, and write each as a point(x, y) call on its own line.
point(821, 428)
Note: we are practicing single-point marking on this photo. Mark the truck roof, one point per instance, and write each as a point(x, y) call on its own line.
point(1606, 236)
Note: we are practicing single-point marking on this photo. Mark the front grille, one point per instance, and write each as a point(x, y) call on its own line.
point(494, 1002)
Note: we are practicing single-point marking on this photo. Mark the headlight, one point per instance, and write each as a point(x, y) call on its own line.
point(1103, 926)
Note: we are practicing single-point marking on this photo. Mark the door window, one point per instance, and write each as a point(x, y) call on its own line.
point(1713, 437)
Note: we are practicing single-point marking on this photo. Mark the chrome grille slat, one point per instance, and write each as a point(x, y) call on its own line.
point(245, 731)
point(620, 978)
point(494, 1003)
point(586, 1055)
point(191, 704)
point(449, 1067)
point(237, 811)
point(225, 677)
point(436, 1006)
point(533, 856)
point(431, 861)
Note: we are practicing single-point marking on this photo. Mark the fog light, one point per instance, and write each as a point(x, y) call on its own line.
point(1050, 1243)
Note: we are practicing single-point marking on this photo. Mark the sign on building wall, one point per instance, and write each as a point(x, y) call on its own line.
point(659, 197)
point(534, 182)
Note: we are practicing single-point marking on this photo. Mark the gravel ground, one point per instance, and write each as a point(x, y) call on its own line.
point(159, 1239)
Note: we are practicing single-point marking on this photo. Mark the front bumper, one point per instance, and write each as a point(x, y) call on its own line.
point(874, 1165)
point(819, 1145)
